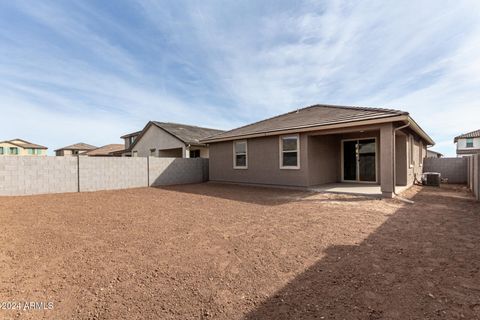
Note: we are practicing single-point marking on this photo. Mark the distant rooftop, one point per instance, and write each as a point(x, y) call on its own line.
point(105, 150)
point(24, 144)
point(473, 134)
point(78, 146)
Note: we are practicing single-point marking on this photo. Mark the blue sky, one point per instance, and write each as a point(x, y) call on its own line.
point(90, 71)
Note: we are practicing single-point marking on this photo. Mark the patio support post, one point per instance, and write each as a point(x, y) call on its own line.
point(387, 169)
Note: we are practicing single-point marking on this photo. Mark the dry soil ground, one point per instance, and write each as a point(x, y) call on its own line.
point(229, 252)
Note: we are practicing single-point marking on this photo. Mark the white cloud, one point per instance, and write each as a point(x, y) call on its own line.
point(222, 65)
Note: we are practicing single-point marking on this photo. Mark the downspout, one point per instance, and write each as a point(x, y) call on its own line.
point(394, 162)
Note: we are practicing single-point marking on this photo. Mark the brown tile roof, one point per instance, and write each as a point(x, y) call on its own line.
point(105, 150)
point(78, 146)
point(25, 144)
point(473, 134)
point(312, 116)
point(186, 133)
point(190, 135)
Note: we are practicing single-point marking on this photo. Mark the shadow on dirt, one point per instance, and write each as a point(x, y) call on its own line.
point(422, 263)
point(261, 195)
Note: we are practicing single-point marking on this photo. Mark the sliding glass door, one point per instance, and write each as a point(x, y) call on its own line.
point(360, 160)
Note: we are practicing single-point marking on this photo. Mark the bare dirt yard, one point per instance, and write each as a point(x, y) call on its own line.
point(213, 251)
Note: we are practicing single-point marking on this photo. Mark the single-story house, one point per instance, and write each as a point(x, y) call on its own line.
point(20, 147)
point(434, 154)
point(74, 149)
point(468, 144)
point(165, 139)
point(109, 150)
point(322, 144)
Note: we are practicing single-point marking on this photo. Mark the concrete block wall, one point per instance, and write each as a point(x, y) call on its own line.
point(169, 171)
point(24, 175)
point(476, 176)
point(110, 173)
point(454, 169)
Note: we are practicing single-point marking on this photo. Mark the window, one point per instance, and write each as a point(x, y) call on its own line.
point(469, 142)
point(1, 150)
point(289, 152)
point(194, 153)
point(31, 151)
point(13, 150)
point(152, 152)
point(240, 160)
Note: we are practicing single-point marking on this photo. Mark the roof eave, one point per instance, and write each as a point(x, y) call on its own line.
point(405, 118)
point(313, 128)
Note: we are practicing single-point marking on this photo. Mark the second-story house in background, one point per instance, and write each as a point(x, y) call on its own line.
point(468, 143)
point(74, 149)
point(165, 139)
point(129, 140)
point(19, 147)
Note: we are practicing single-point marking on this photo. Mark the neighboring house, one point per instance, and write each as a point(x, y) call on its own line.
point(129, 140)
point(468, 143)
point(74, 149)
point(434, 154)
point(322, 144)
point(164, 139)
point(19, 147)
point(109, 150)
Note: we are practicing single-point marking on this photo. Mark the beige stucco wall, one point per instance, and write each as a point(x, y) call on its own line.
point(21, 151)
point(158, 139)
point(415, 167)
point(63, 153)
point(324, 169)
point(401, 160)
point(263, 163)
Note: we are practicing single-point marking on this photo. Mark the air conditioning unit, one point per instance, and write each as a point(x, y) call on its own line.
point(431, 179)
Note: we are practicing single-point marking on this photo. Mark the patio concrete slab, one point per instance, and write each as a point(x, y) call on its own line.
point(360, 189)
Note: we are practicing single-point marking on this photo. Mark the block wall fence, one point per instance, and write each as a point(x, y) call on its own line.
point(25, 175)
point(454, 169)
point(464, 170)
point(474, 175)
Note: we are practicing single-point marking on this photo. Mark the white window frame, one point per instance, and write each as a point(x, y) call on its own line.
point(235, 155)
point(280, 152)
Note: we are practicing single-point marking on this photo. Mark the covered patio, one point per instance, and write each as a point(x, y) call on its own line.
point(367, 160)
